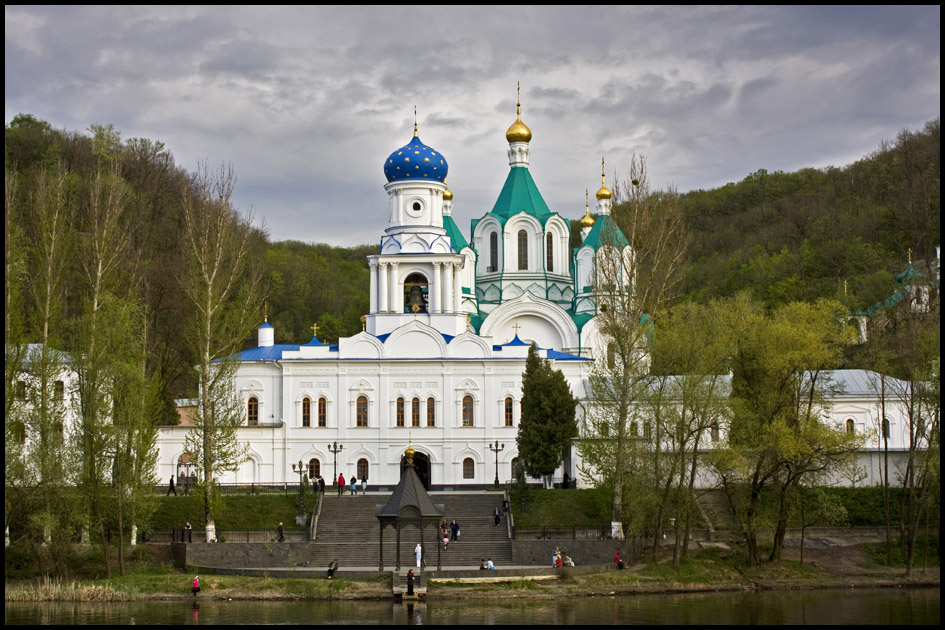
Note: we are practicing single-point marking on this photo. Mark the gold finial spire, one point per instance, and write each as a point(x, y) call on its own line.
point(516, 327)
point(409, 453)
point(265, 312)
point(844, 287)
point(518, 132)
point(363, 321)
point(910, 255)
point(603, 193)
point(315, 330)
point(468, 319)
point(588, 220)
point(414, 121)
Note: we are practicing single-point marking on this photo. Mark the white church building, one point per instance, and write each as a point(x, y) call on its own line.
point(440, 360)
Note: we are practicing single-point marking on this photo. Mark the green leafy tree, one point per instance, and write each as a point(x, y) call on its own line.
point(547, 425)
point(223, 288)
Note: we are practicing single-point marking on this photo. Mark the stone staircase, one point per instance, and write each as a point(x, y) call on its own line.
point(348, 531)
point(716, 510)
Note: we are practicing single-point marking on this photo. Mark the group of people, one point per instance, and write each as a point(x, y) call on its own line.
point(486, 564)
point(561, 560)
point(449, 533)
point(352, 484)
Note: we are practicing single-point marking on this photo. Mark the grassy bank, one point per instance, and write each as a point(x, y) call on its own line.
point(707, 570)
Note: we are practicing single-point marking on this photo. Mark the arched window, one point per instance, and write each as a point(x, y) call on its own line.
point(60, 389)
point(886, 428)
point(714, 432)
point(513, 467)
point(469, 468)
point(322, 412)
point(508, 411)
point(362, 469)
point(611, 356)
point(468, 419)
point(306, 412)
point(415, 412)
point(361, 411)
point(634, 429)
point(522, 250)
point(400, 412)
point(647, 431)
point(851, 426)
point(493, 252)
point(314, 468)
point(431, 412)
point(252, 412)
point(19, 432)
point(549, 253)
point(416, 293)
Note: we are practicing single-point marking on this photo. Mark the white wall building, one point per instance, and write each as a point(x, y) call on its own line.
point(440, 362)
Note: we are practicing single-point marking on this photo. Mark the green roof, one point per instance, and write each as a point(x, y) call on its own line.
point(457, 240)
point(605, 232)
point(520, 194)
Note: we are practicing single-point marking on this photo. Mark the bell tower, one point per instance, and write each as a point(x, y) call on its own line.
point(417, 276)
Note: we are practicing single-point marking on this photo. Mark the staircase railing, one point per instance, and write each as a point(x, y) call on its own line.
point(316, 512)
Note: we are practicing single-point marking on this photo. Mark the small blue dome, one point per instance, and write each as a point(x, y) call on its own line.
point(415, 160)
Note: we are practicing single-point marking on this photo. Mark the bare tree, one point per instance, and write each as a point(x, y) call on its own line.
point(632, 283)
point(222, 282)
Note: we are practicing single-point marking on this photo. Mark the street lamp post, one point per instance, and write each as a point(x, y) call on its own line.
point(334, 448)
point(300, 519)
point(495, 449)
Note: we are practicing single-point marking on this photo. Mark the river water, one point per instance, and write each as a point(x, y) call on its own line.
point(888, 606)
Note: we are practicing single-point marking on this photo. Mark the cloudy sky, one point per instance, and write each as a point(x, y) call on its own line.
point(306, 103)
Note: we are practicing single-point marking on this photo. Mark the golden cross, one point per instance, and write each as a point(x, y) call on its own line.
point(516, 327)
point(314, 330)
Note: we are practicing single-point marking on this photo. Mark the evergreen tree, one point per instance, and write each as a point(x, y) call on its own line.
point(548, 424)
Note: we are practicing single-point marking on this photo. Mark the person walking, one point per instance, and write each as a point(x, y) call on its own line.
point(454, 530)
point(341, 484)
point(496, 516)
point(363, 485)
point(189, 531)
point(321, 484)
point(281, 532)
point(419, 552)
point(354, 486)
point(170, 488)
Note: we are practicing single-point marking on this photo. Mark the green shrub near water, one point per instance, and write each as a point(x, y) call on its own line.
point(239, 512)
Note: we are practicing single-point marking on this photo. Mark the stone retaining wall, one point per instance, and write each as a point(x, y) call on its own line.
point(235, 555)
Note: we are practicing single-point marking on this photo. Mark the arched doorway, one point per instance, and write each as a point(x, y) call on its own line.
point(421, 464)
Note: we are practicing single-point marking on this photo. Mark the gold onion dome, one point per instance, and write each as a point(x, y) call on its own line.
point(447, 195)
point(409, 452)
point(588, 220)
point(518, 132)
point(604, 192)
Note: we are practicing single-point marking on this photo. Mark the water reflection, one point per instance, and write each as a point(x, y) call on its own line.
point(873, 606)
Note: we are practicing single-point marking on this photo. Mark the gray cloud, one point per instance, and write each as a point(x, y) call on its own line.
point(306, 102)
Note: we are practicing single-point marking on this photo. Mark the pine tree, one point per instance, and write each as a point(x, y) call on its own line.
point(548, 424)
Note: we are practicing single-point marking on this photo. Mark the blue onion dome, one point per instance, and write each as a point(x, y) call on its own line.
point(415, 160)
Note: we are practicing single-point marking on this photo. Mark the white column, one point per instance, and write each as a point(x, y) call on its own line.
point(383, 285)
point(457, 288)
point(373, 308)
point(448, 287)
point(396, 292)
point(433, 289)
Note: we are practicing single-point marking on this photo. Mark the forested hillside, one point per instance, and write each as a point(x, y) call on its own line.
point(801, 236)
point(781, 236)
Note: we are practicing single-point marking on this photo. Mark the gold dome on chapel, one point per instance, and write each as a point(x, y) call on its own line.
point(604, 192)
point(447, 195)
point(588, 220)
point(518, 132)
